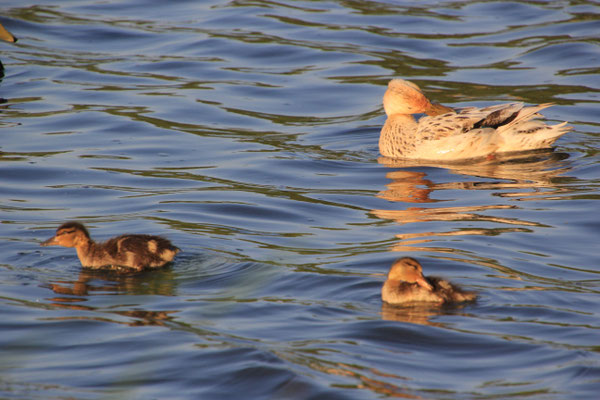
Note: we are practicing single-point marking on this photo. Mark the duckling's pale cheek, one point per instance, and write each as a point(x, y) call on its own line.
point(65, 241)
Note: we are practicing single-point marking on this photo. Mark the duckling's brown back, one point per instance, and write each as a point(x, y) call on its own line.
point(141, 250)
point(449, 292)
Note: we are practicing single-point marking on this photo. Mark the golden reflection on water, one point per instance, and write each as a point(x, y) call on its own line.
point(378, 385)
point(519, 177)
point(371, 379)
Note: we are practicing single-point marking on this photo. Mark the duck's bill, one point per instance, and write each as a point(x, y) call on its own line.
point(438, 109)
point(50, 242)
point(6, 35)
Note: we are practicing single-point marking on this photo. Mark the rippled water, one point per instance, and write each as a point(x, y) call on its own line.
point(246, 132)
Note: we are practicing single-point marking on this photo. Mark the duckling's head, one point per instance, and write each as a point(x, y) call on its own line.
point(404, 97)
point(409, 270)
point(69, 234)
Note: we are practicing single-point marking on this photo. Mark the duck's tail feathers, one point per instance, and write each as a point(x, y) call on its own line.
point(524, 132)
point(531, 135)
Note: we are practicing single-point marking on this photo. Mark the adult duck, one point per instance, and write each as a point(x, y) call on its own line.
point(134, 252)
point(448, 135)
point(8, 37)
point(406, 284)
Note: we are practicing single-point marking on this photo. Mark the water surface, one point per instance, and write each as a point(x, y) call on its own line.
point(246, 132)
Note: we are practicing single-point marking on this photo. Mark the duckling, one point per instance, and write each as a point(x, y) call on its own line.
point(446, 135)
point(406, 284)
point(128, 251)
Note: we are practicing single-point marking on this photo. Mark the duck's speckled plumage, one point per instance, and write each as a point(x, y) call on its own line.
point(136, 252)
point(406, 284)
point(446, 135)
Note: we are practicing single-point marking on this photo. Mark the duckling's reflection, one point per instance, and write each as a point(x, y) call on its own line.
point(415, 314)
point(521, 177)
point(157, 282)
point(93, 282)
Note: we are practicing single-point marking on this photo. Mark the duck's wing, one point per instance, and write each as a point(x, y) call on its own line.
point(467, 119)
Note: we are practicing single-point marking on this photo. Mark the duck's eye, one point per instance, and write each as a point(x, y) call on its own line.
point(63, 232)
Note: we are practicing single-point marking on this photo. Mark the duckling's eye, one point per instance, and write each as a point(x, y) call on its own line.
point(413, 266)
point(63, 232)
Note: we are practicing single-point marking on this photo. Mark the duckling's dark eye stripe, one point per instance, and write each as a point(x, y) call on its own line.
point(63, 232)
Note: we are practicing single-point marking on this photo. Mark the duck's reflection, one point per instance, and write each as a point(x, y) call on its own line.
point(519, 177)
point(408, 187)
point(531, 170)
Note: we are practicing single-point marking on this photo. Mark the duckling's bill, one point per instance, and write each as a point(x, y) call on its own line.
point(50, 242)
point(422, 281)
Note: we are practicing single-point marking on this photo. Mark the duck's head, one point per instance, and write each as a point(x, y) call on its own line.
point(404, 97)
point(409, 270)
point(69, 234)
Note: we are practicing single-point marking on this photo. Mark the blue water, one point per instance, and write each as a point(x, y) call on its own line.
point(246, 132)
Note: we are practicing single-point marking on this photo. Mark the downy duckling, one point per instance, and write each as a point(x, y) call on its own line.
point(130, 251)
point(445, 135)
point(406, 284)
